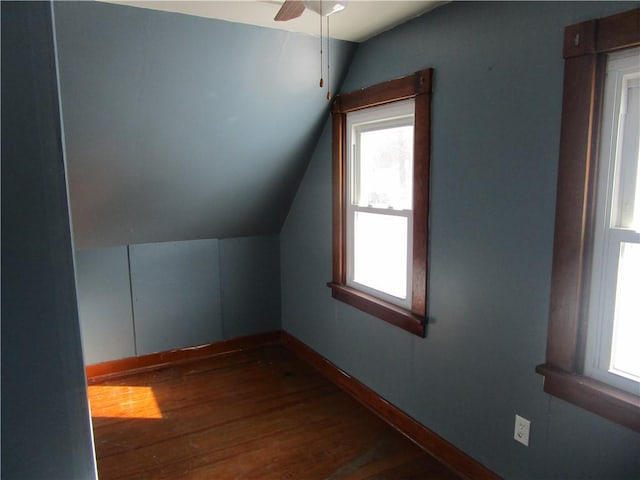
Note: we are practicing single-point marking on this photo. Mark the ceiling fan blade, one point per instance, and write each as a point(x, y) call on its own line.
point(290, 9)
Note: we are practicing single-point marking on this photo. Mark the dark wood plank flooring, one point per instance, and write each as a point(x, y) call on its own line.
point(261, 414)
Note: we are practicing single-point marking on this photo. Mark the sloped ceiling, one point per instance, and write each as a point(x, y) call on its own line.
point(179, 127)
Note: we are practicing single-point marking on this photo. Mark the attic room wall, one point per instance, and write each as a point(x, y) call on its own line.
point(186, 139)
point(46, 429)
point(146, 298)
point(496, 125)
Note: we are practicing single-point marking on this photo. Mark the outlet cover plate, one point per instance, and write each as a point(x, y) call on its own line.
point(521, 430)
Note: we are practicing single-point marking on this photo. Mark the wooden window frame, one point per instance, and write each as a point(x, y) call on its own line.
point(586, 46)
point(418, 87)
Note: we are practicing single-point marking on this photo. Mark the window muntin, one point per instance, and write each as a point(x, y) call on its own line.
point(379, 201)
point(612, 354)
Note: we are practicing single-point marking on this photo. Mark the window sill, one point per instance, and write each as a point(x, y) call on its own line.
point(597, 397)
point(379, 308)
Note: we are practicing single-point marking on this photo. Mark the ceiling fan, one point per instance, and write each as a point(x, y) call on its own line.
point(293, 8)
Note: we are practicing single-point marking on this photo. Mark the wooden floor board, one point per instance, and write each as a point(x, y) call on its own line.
point(261, 414)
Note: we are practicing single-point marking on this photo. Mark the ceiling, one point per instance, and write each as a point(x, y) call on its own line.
point(359, 21)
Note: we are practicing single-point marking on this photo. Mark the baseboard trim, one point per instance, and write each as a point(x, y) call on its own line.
point(426, 439)
point(100, 372)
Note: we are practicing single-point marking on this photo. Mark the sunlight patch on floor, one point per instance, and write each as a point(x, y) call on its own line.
point(128, 401)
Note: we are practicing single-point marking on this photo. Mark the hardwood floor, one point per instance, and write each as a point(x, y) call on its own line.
point(260, 414)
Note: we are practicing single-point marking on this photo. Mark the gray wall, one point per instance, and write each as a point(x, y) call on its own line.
point(181, 128)
point(147, 298)
point(250, 285)
point(46, 431)
point(496, 124)
point(104, 304)
point(176, 294)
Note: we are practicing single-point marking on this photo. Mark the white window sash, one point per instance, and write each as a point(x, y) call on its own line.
point(609, 236)
point(382, 117)
point(408, 214)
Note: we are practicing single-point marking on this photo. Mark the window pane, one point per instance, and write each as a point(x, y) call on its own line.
point(625, 356)
point(380, 252)
point(627, 209)
point(385, 172)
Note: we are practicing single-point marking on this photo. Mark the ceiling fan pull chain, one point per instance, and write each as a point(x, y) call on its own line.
point(328, 61)
point(321, 79)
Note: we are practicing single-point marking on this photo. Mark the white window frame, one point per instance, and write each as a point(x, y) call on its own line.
point(623, 71)
point(400, 113)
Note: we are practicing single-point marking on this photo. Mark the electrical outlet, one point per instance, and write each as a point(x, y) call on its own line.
point(521, 431)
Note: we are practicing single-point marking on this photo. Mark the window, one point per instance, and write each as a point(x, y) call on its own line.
point(592, 354)
point(613, 329)
point(380, 199)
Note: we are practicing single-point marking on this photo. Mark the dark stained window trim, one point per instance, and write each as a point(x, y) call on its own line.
point(585, 48)
point(418, 87)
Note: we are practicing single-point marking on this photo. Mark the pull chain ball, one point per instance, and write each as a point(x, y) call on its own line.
point(320, 11)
